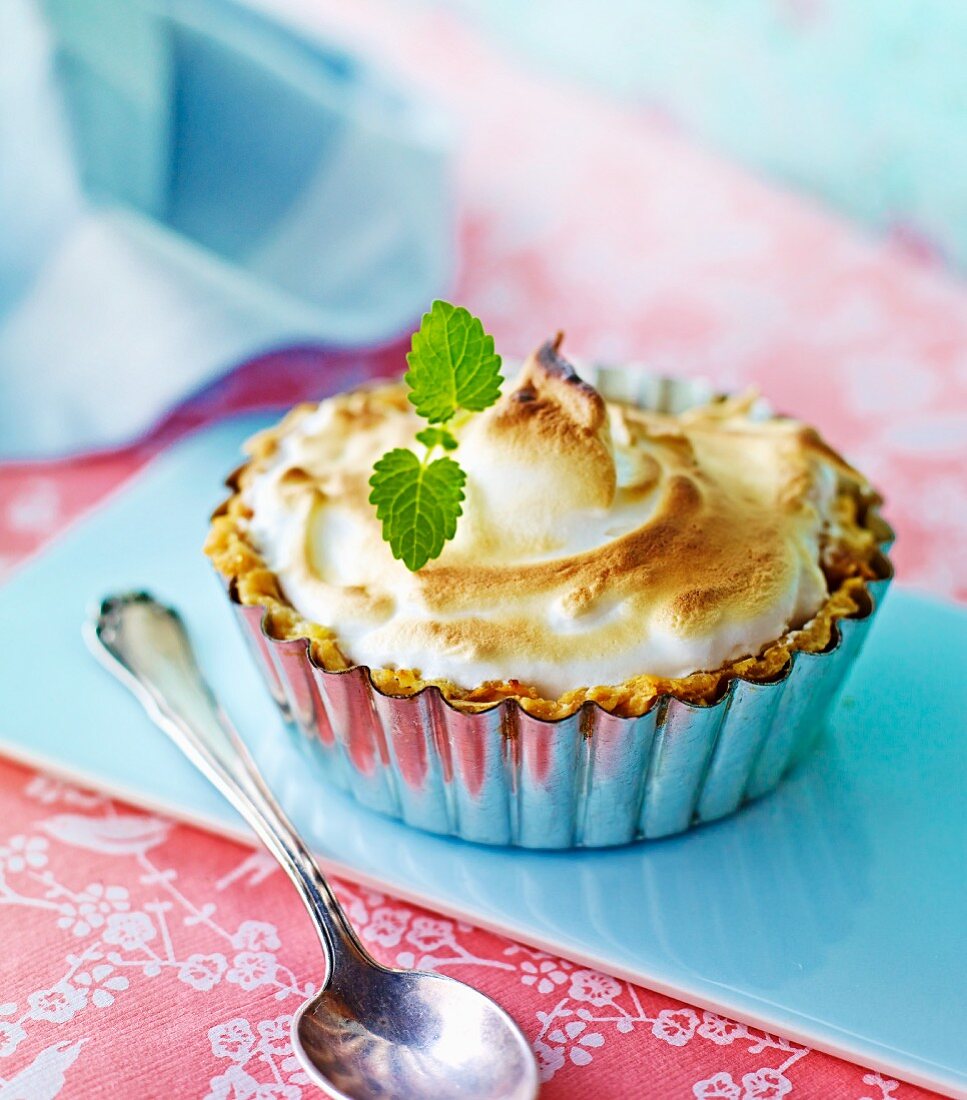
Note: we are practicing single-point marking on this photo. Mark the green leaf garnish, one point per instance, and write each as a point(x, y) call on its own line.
point(418, 504)
point(452, 364)
point(453, 368)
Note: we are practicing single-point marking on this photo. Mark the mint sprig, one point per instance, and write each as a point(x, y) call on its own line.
point(452, 369)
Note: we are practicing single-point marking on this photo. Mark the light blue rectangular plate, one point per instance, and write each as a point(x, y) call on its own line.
point(833, 911)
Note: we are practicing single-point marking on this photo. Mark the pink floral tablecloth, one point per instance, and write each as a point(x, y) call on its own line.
point(144, 958)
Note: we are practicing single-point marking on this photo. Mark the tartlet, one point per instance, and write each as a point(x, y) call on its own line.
point(650, 598)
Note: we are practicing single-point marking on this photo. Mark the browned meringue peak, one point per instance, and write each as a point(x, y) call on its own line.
point(536, 459)
point(598, 541)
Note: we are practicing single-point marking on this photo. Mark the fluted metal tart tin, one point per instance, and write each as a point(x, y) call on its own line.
point(594, 779)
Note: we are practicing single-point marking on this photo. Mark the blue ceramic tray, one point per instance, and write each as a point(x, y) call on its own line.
point(833, 911)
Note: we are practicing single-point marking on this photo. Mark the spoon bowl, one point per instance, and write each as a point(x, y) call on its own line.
point(371, 1032)
point(425, 1037)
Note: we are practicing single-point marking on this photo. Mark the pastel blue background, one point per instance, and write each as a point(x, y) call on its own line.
point(833, 911)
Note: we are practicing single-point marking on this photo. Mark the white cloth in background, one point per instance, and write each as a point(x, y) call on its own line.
point(260, 189)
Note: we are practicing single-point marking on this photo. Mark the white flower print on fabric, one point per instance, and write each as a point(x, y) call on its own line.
point(718, 1029)
point(274, 1036)
point(71, 918)
point(549, 1060)
point(129, 930)
point(386, 926)
point(765, 1084)
point(58, 1004)
point(545, 975)
point(23, 852)
point(430, 934)
point(234, 1039)
point(256, 935)
point(580, 1039)
point(675, 1025)
point(718, 1087)
point(103, 982)
point(252, 968)
point(90, 908)
point(597, 989)
point(202, 972)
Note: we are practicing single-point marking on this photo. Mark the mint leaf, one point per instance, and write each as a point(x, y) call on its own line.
point(437, 437)
point(452, 364)
point(418, 505)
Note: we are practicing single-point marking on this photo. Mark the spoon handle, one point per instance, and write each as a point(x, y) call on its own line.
point(145, 645)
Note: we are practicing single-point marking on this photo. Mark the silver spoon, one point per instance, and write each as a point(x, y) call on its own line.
point(371, 1031)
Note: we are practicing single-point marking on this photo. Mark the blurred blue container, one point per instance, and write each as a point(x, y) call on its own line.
point(194, 175)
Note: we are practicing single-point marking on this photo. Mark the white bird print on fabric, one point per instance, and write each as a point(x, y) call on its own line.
point(45, 1076)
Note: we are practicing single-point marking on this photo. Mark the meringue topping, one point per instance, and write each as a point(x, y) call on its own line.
point(598, 542)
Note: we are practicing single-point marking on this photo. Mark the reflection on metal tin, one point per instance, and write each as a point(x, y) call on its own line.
point(592, 779)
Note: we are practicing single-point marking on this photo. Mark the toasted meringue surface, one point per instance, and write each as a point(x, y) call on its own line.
point(598, 542)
